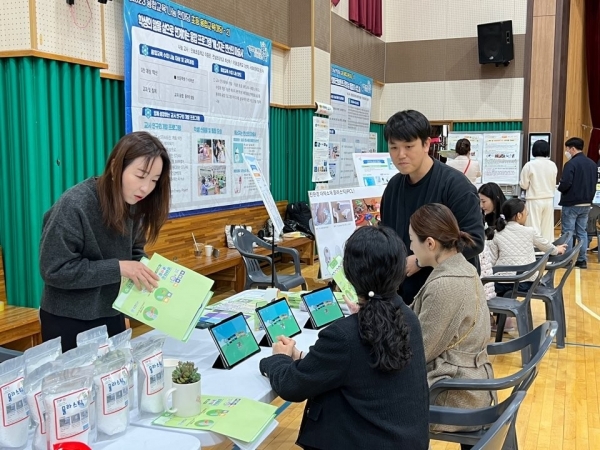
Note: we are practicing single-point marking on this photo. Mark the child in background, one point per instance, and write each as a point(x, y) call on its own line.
point(512, 244)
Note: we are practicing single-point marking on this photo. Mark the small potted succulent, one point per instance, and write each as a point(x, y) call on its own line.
point(186, 373)
point(187, 401)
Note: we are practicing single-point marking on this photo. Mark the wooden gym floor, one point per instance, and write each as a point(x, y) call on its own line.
point(561, 410)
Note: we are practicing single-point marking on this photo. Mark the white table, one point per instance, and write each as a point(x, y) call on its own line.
point(138, 438)
point(244, 380)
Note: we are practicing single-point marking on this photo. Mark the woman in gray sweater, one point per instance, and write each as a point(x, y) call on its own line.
point(95, 234)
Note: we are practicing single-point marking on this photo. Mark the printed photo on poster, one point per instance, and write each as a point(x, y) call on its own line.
point(212, 180)
point(342, 212)
point(367, 211)
point(321, 214)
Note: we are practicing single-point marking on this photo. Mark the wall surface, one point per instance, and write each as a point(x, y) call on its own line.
point(431, 60)
point(577, 112)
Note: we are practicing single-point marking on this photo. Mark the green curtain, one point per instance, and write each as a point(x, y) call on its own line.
point(381, 144)
point(60, 122)
point(290, 138)
point(487, 126)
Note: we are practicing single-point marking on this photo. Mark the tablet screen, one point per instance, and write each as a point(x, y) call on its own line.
point(234, 339)
point(278, 320)
point(322, 306)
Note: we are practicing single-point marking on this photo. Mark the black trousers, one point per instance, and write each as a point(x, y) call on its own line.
point(54, 326)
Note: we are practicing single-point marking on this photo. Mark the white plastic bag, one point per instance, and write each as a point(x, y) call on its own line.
point(122, 341)
point(149, 359)
point(99, 335)
point(67, 398)
point(111, 382)
point(14, 420)
point(42, 354)
point(33, 392)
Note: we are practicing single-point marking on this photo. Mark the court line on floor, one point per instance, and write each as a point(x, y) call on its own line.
point(582, 345)
point(578, 299)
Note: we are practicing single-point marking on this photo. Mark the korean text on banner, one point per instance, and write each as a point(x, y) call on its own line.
point(349, 124)
point(202, 87)
point(501, 158)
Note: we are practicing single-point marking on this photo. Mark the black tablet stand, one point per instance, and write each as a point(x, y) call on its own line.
point(219, 363)
point(264, 342)
point(309, 325)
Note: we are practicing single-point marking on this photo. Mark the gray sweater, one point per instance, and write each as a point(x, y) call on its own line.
point(79, 256)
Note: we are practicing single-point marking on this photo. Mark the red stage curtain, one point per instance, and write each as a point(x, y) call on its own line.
point(367, 14)
point(592, 50)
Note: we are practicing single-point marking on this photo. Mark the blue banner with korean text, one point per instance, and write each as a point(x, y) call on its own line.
point(202, 87)
point(349, 124)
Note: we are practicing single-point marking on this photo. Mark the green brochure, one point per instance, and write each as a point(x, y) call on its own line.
point(234, 417)
point(336, 269)
point(175, 306)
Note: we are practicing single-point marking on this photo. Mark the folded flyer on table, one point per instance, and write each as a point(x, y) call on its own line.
point(235, 417)
point(175, 306)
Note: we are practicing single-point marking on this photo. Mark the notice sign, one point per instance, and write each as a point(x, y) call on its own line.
point(349, 124)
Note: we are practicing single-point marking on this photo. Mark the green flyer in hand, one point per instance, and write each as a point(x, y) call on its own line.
point(336, 269)
point(175, 306)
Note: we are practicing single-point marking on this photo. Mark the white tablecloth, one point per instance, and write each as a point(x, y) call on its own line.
point(244, 380)
point(138, 438)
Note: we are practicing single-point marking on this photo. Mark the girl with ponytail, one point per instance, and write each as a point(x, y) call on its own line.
point(366, 372)
point(513, 244)
point(451, 307)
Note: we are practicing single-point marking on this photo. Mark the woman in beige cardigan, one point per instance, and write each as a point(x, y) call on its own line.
point(451, 307)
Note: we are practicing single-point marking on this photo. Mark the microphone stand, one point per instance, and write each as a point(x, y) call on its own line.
point(272, 254)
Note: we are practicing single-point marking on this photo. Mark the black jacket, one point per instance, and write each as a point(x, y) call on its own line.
point(350, 405)
point(578, 182)
point(444, 185)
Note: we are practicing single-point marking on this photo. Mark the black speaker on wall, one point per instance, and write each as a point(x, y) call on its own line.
point(495, 42)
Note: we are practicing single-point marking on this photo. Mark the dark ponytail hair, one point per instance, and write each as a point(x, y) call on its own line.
point(436, 221)
point(510, 209)
point(375, 264)
point(463, 147)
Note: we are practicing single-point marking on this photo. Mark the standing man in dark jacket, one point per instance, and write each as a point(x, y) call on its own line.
point(423, 180)
point(577, 187)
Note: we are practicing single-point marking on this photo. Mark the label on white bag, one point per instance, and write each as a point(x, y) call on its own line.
point(14, 406)
point(71, 414)
point(115, 391)
point(153, 369)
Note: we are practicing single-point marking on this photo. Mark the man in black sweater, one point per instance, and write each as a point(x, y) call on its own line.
point(423, 180)
point(577, 187)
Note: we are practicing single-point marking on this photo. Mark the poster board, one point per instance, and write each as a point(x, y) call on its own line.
point(202, 87)
point(320, 150)
point(476, 140)
point(349, 123)
point(501, 158)
point(336, 213)
point(374, 169)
